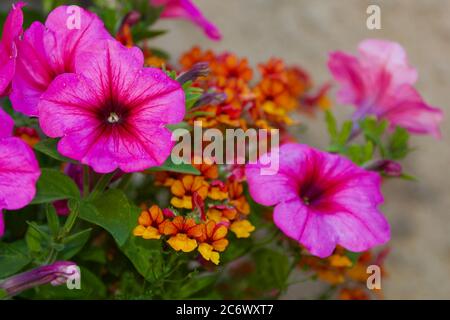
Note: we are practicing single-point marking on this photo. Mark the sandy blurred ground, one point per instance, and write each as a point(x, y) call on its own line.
point(303, 32)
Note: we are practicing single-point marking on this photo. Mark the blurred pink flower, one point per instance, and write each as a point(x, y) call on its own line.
point(49, 50)
point(12, 29)
point(380, 82)
point(321, 199)
point(19, 170)
point(113, 112)
point(185, 9)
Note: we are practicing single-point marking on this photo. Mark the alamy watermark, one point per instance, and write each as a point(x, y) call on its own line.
point(236, 146)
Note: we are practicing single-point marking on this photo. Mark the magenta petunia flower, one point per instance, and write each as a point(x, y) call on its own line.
point(321, 199)
point(380, 82)
point(112, 113)
point(49, 50)
point(185, 9)
point(19, 170)
point(8, 49)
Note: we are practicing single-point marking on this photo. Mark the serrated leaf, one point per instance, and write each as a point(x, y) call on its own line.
point(54, 185)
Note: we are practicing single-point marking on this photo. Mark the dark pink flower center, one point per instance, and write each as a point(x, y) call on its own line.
point(310, 194)
point(113, 113)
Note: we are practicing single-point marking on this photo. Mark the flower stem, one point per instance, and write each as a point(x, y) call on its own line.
point(101, 185)
point(86, 181)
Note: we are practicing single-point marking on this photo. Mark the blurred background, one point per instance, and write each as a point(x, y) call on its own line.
point(303, 32)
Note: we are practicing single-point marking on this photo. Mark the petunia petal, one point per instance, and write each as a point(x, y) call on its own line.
point(19, 172)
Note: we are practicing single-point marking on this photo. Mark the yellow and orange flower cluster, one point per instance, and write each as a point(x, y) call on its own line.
point(280, 91)
point(338, 269)
point(208, 208)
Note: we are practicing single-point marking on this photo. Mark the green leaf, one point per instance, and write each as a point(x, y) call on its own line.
point(54, 185)
point(398, 144)
point(331, 124)
point(37, 237)
point(13, 257)
point(141, 32)
point(49, 148)
point(192, 94)
point(52, 219)
point(179, 168)
point(345, 133)
point(112, 212)
point(74, 243)
point(197, 284)
point(353, 256)
point(272, 269)
point(180, 125)
point(146, 256)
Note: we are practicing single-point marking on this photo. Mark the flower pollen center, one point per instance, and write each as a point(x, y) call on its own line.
point(113, 118)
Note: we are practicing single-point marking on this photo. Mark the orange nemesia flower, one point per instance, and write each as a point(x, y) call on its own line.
point(213, 241)
point(150, 222)
point(184, 188)
point(183, 231)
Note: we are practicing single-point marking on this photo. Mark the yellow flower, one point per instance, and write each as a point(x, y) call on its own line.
point(221, 215)
point(183, 190)
point(150, 222)
point(212, 241)
point(216, 193)
point(208, 253)
point(182, 242)
point(339, 261)
point(242, 228)
point(147, 232)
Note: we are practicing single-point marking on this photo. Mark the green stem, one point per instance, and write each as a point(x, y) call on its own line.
point(86, 181)
point(101, 185)
point(125, 181)
point(65, 230)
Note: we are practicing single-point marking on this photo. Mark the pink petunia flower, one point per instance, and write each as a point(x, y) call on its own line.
point(49, 50)
point(19, 170)
point(379, 81)
point(8, 50)
point(112, 113)
point(185, 9)
point(321, 199)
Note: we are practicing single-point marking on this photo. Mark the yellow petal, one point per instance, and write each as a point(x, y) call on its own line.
point(138, 231)
point(220, 233)
point(205, 250)
point(216, 194)
point(338, 261)
point(151, 233)
point(242, 228)
point(177, 202)
point(182, 242)
point(178, 189)
point(187, 182)
point(215, 257)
